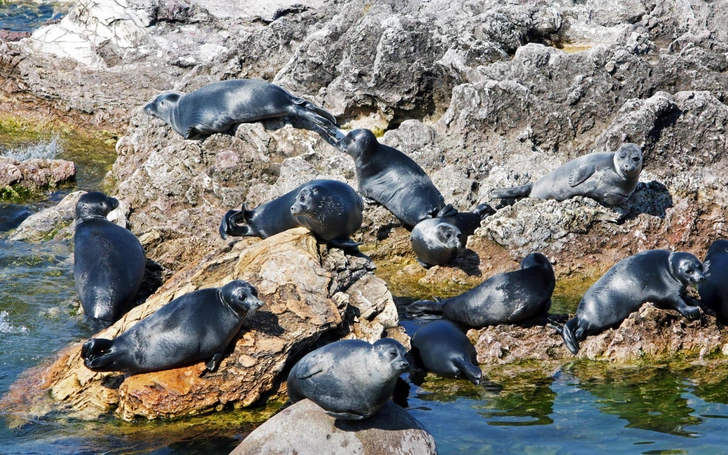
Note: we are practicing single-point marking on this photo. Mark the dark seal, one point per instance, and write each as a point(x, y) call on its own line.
point(442, 348)
point(438, 241)
point(392, 179)
point(109, 261)
point(332, 210)
point(349, 379)
point(609, 178)
point(197, 326)
point(216, 107)
point(507, 298)
point(714, 290)
point(656, 276)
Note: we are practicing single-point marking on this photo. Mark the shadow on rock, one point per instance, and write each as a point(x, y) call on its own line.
point(651, 198)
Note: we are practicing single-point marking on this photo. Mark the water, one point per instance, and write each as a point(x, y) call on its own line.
point(28, 16)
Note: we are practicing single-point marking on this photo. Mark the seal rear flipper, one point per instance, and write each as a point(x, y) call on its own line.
point(96, 353)
point(229, 226)
point(512, 193)
point(446, 211)
point(424, 307)
point(470, 371)
point(568, 335)
point(344, 244)
point(483, 210)
point(347, 415)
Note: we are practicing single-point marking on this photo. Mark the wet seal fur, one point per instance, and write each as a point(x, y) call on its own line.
point(109, 260)
point(506, 298)
point(391, 178)
point(332, 210)
point(609, 178)
point(442, 348)
point(714, 290)
point(196, 326)
point(349, 379)
point(657, 276)
point(438, 241)
point(216, 107)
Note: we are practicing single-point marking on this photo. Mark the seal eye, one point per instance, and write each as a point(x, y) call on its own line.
point(689, 271)
point(636, 159)
point(393, 354)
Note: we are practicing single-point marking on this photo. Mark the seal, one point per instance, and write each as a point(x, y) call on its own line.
point(714, 290)
point(332, 210)
point(216, 107)
point(657, 276)
point(506, 298)
point(609, 178)
point(109, 260)
point(392, 179)
point(442, 348)
point(349, 379)
point(440, 240)
point(196, 326)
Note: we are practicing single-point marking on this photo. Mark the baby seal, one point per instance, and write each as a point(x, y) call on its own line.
point(609, 178)
point(657, 276)
point(194, 327)
point(714, 290)
point(442, 348)
point(349, 379)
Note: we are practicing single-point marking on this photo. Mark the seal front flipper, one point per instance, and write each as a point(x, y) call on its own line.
point(424, 307)
point(512, 193)
point(214, 362)
point(567, 334)
point(96, 353)
point(581, 173)
point(470, 371)
point(615, 198)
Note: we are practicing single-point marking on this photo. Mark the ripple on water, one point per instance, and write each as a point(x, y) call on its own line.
point(7, 327)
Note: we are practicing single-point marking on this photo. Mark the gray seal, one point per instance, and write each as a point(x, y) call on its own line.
point(349, 379)
point(438, 241)
point(332, 210)
point(442, 348)
point(506, 298)
point(609, 178)
point(657, 276)
point(714, 290)
point(196, 326)
point(109, 260)
point(392, 179)
point(216, 107)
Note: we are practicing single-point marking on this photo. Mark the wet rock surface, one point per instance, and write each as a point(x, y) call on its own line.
point(34, 175)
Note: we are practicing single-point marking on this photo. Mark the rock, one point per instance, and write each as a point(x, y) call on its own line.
point(305, 429)
point(54, 221)
point(34, 174)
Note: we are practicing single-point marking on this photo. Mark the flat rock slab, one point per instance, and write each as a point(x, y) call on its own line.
point(35, 174)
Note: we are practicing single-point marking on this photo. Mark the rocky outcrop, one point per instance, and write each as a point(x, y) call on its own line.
point(33, 175)
point(53, 222)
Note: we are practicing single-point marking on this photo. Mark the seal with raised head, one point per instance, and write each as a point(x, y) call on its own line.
point(216, 107)
point(440, 240)
point(332, 210)
point(714, 290)
point(609, 178)
point(349, 379)
point(656, 276)
point(442, 348)
point(506, 298)
point(392, 179)
point(196, 326)
point(109, 260)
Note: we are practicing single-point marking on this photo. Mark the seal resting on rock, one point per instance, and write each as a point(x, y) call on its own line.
point(657, 276)
point(609, 178)
point(442, 348)
point(216, 107)
point(197, 326)
point(349, 379)
point(506, 298)
point(330, 209)
point(437, 241)
point(714, 290)
point(109, 260)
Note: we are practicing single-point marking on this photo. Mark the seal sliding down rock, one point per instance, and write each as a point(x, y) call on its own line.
point(657, 276)
point(609, 178)
point(506, 298)
point(109, 260)
point(216, 107)
point(349, 379)
point(330, 209)
point(714, 290)
point(194, 327)
point(442, 348)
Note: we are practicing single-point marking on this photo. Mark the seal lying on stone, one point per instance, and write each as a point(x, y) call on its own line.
point(714, 290)
point(609, 178)
point(194, 327)
point(442, 348)
point(657, 276)
point(393, 179)
point(109, 261)
point(506, 298)
point(330, 209)
point(216, 107)
point(349, 379)
point(437, 241)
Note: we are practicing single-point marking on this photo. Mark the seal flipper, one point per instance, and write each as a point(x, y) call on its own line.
point(581, 173)
point(568, 335)
point(229, 226)
point(483, 210)
point(423, 307)
point(347, 415)
point(96, 353)
point(344, 244)
point(512, 193)
point(214, 362)
point(470, 371)
point(446, 211)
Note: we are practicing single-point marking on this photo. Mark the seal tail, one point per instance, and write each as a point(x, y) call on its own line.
point(424, 308)
point(567, 333)
point(470, 371)
point(515, 192)
point(96, 353)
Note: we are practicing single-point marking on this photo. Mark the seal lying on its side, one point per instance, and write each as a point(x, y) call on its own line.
point(609, 178)
point(714, 290)
point(506, 298)
point(442, 348)
point(194, 327)
point(216, 107)
point(657, 276)
point(349, 379)
point(330, 209)
point(109, 260)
